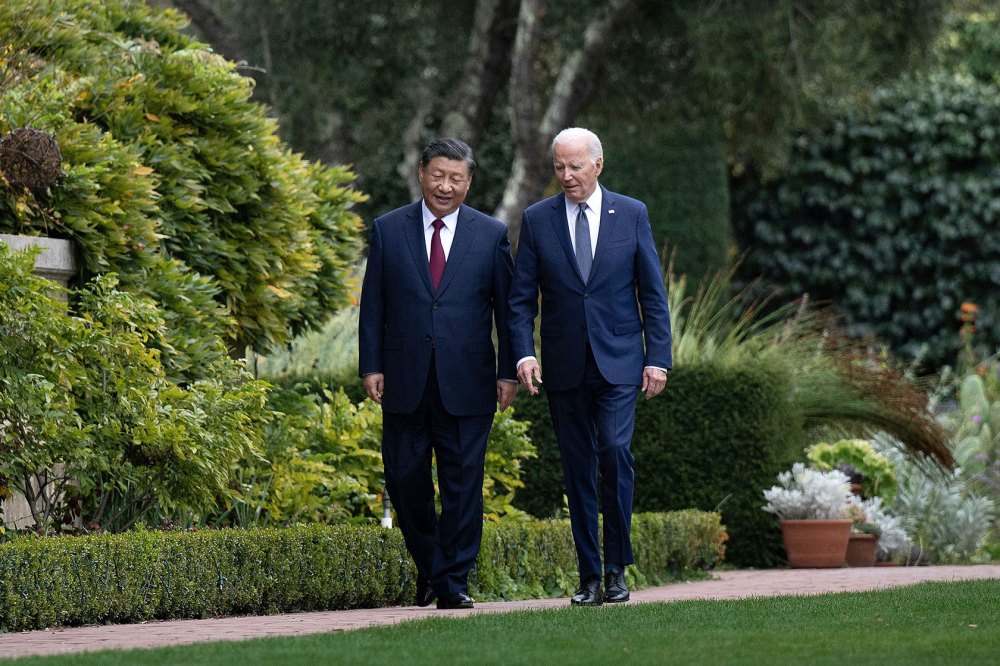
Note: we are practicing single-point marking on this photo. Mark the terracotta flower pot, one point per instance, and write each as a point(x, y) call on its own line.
point(816, 544)
point(861, 550)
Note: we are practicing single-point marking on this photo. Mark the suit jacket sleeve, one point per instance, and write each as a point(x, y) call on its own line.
point(371, 319)
point(503, 273)
point(652, 297)
point(523, 301)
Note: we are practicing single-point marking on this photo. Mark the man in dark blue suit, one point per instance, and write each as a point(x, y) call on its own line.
point(437, 282)
point(605, 334)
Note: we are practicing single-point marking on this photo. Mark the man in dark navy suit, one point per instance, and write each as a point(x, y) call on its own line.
point(437, 283)
point(605, 335)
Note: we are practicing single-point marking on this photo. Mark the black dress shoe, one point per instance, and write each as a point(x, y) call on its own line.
point(615, 589)
point(457, 600)
point(425, 593)
point(589, 594)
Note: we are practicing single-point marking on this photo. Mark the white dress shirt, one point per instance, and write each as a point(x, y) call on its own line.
point(447, 231)
point(593, 214)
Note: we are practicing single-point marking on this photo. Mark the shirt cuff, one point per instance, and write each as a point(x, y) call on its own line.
point(526, 358)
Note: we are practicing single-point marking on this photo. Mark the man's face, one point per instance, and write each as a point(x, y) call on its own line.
point(444, 184)
point(576, 170)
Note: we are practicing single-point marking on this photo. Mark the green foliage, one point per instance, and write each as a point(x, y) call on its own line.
point(90, 417)
point(173, 178)
point(331, 351)
point(146, 575)
point(508, 447)
point(321, 461)
point(969, 409)
point(970, 43)
point(890, 214)
point(346, 80)
point(877, 475)
point(945, 519)
point(684, 184)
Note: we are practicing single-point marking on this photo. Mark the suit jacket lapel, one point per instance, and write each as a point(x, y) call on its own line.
point(561, 228)
point(465, 232)
point(414, 231)
point(604, 232)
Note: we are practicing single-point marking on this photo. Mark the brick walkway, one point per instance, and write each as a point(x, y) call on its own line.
point(724, 585)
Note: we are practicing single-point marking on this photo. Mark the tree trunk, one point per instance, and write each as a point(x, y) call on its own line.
point(532, 170)
point(487, 67)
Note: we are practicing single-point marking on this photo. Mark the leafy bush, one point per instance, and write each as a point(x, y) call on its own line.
point(321, 461)
point(146, 575)
point(173, 178)
point(945, 519)
point(890, 214)
point(92, 429)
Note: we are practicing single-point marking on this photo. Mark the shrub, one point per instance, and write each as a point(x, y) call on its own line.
point(146, 575)
point(92, 429)
point(890, 214)
point(321, 461)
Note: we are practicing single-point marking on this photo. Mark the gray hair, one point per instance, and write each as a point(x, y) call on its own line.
point(576, 133)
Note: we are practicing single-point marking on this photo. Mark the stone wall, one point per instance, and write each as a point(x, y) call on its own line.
point(56, 262)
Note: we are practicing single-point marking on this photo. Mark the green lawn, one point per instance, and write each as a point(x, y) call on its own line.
point(931, 623)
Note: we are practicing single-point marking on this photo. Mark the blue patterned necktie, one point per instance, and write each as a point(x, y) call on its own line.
point(584, 258)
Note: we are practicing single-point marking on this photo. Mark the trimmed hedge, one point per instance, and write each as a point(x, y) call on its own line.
point(714, 441)
point(142, 575)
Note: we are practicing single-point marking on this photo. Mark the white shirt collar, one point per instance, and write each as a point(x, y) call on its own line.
point(594, 202)
point(450, 220)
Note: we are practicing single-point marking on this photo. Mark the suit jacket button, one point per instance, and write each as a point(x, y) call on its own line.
point(436, 306)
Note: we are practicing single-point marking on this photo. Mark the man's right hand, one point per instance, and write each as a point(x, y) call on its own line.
point(527, 372)
point(374, 385)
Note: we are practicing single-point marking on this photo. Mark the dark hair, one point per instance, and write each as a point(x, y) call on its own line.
point(453, 149)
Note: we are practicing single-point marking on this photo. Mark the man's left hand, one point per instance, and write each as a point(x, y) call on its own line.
point(653, 382)
point(505, 393)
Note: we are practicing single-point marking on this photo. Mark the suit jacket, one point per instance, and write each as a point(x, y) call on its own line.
point(403, 317)
point(621, 310)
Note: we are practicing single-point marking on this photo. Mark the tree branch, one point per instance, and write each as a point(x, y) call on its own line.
point(531, 170)
point(487, 67)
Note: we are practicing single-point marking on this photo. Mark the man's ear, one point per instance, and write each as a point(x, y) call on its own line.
point(599, 163)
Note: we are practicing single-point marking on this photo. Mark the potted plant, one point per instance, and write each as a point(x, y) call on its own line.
point(863, 539)
point(812, 506)
point(875, 472)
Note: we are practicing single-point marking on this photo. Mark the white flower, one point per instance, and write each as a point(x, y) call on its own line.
point(807, 493)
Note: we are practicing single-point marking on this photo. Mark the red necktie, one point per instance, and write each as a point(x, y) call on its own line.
point(437, 254)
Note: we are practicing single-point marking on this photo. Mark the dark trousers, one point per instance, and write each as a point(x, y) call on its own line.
point(593, 424)
point(443, 548)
